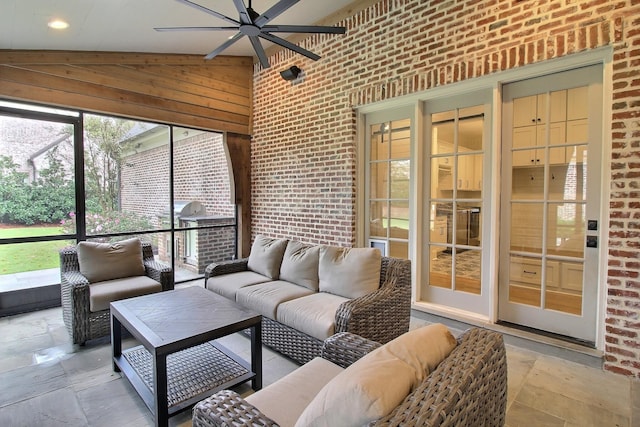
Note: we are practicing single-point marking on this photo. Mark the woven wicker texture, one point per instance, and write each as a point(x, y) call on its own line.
point(82, 324)
point(190, 372)
point(379, 316)
point(469, 388)
point(345, 348)
point(227, 409)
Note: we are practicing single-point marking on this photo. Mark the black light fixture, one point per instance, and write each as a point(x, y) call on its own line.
point(290, 73)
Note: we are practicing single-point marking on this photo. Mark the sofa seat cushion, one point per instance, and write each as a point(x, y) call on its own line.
point(107, 261)
point(300, 265)
point(266, 298)
point(284, 400)
point(377, 383)
point(313, 315)
point(349, 272)
point(266, 256)
point(228, 284)
point(102, 293)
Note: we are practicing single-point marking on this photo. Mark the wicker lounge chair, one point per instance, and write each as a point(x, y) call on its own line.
point(468, 388)
point(82, 323)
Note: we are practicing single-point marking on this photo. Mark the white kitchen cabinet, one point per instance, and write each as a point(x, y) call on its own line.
point(567, 125)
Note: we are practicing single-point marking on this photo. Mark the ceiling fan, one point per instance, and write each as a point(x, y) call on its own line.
point(254, 26)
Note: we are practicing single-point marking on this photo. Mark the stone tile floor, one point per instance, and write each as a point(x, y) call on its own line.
point(47, 381)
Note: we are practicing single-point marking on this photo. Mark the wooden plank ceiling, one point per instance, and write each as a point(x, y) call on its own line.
point(177, 89)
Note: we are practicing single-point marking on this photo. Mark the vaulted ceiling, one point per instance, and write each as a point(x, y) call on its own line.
point(128, 25)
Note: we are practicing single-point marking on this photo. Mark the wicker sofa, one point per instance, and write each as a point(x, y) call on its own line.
point(82, 317)
point(280, 273)
point(467, 388)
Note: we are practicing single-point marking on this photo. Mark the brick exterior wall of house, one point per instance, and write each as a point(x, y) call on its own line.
point(200, 174)
point(304, 139)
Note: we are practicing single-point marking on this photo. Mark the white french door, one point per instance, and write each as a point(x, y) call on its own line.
point(456, 208)
point(550, 202)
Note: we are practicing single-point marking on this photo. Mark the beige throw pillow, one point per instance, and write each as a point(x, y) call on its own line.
point(108, 261)
point(300, 265)
point(373, 386)
point(266, 256)
point(349, 272)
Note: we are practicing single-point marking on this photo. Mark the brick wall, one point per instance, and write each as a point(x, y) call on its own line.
point(200, 174)
point(304, 139)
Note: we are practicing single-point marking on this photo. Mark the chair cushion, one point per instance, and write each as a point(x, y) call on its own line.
point(376, 384)
point(349, 272)
point(298, 389)
point(102, 293)
point(107, 261)
point(228, 284)
point(300, 265)
point(266, 298)
point(266, 256)
point(315, 314)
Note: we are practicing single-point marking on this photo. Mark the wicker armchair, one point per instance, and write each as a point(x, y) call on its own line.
point(83, 324)
point(468, 388)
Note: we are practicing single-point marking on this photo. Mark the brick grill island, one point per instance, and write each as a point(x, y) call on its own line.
point(209, 245)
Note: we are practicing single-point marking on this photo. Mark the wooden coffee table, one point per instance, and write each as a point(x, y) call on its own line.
point(178, 363)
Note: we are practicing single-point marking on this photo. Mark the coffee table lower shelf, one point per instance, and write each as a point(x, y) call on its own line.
point(192, 374)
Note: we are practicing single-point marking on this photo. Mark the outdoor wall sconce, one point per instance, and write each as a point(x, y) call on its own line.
point(290, 73)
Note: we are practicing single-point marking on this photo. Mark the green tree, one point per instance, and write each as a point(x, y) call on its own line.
point(103, 160)
point(14, 190)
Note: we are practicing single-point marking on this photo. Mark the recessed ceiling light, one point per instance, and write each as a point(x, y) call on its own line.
point(58, 24)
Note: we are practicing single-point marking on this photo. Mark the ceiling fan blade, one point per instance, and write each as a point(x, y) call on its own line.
point(196, 28)
point(224, 45)
point(262, 56)
point(209, 11)
point(284, 43)
point(303, 29)
point(242, 10)
point(273, 12)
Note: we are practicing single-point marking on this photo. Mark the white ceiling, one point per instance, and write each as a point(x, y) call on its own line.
point(127, 25)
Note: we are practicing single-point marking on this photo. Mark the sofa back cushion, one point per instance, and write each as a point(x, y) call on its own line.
point(266, 256)
point(374, 385)
point(349, 272)
point(300, 265)
point(108, 261)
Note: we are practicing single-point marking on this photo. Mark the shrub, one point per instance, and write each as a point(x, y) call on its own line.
point(109, 223)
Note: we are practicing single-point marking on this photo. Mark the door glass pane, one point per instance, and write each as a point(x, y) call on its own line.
point(438, 222)
point(440, 267)
point(527, 183)
point(526, 227)
point(399, 249)
point(400, 139)
point(525, 278)
point(378, 219)
point(442, 177)
point(471, 131)
point(379, 136)
point(468, 271)
point(568, 182)
point(400, 171)
point(399, 222)
point(565, 294)
point(379, 182)
point(566, 225)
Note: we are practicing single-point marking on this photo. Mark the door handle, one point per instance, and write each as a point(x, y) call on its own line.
point(592, 241)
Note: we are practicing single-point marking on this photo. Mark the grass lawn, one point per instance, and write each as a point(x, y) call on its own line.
point(22, 257)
